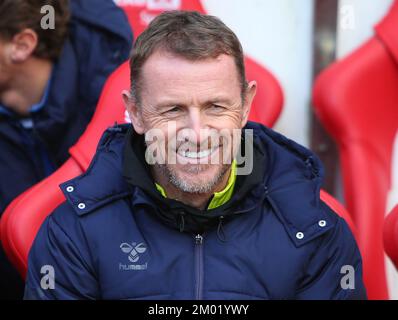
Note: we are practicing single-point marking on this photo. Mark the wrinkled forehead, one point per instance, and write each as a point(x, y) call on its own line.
point(169, 76)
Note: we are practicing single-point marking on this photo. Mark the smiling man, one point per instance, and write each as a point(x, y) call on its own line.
point(166, 210)
point(200, 99)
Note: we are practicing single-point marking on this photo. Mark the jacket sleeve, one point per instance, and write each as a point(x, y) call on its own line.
point(335, 270)
point(58, 266)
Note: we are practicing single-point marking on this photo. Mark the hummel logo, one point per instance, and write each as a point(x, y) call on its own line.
point(133, 250)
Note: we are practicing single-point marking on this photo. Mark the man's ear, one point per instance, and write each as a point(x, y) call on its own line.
point(250, 94)
point(24, 44)
point(134, 112)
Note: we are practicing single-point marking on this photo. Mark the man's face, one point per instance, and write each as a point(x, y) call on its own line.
point(190, 103)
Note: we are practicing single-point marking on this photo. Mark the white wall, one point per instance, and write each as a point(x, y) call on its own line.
point(278, 34)
point(356, 21)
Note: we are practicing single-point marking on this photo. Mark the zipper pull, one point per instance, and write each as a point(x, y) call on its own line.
point(198, 239)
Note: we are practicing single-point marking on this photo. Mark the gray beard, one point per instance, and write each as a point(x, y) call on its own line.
point(197, 188)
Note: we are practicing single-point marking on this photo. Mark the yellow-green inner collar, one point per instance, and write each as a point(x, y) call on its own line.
point(219, 198)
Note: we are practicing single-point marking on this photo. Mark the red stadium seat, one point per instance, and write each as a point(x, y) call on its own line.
point(391, 236)
point(22, 219)
point(356, 99)
point(24, 216)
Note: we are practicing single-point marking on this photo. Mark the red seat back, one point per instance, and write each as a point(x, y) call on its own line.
point(24, 216)
point(356, 99)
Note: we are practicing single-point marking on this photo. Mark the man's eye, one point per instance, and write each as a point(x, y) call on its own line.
point(172, 110)
point(217, 107)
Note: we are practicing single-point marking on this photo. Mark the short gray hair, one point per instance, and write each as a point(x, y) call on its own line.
point(188, 34)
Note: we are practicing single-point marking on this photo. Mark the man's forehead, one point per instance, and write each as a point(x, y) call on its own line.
point(167, 78)
point(165, 64)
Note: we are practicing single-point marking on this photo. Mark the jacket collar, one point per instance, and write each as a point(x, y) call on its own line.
point(102, 183)
point(294, 179)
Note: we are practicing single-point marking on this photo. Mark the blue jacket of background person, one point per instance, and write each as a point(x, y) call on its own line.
point(116, 237)
point(100, 39)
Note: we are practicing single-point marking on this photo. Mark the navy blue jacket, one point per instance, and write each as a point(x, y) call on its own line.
point(117, 238)
point(99, 40)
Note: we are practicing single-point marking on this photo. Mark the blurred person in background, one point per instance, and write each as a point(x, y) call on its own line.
point(50, 82)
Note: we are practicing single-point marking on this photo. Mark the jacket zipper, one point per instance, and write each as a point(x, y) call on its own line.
point(199, 266)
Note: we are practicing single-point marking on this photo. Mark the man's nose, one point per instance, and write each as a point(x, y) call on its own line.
point(196, 123)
